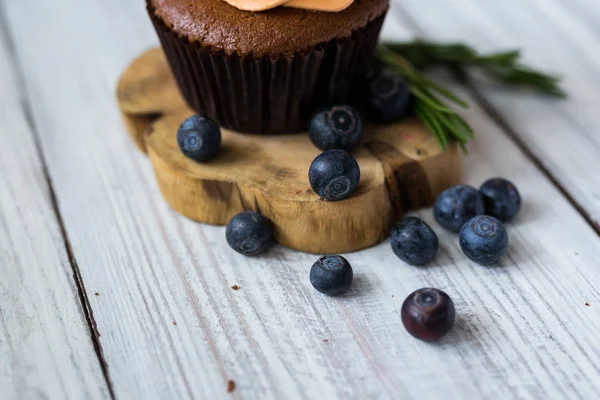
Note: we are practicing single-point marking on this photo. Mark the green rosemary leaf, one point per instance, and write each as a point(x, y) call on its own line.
point(423, 95)
point(446, 93)
point(453, 128)
point(505, 67)
point(462, 131)
point(443, 122)
point(432, 126)
point(507, 58)
point(523, 76)
point(466, 128)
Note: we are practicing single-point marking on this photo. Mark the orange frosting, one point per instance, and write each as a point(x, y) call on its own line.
point(320, 5)
point(317, 5)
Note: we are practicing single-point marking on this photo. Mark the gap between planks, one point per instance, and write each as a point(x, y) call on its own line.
point(24, 101)
point(499, 119)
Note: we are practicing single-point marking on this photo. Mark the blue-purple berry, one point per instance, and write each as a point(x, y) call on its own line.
point(331, 275)
point(250, 233)
point(455, 206)
point(334, 175)
point(199, 138)
point(501, 198)
point(414, 242)
point(338, 127)
point(389, 97)
point(484, 240)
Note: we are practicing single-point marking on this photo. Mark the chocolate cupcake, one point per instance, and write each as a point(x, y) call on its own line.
point(267, 71)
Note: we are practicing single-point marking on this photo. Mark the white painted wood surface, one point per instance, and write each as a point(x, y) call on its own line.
point(45, 346)
point(170, 325)
point(555, 35)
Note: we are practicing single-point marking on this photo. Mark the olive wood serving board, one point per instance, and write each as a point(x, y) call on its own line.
point(402, 168)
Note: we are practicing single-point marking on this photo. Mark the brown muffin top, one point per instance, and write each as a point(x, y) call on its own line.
point(217, 25)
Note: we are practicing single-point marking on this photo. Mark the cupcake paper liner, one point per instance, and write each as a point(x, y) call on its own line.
point(269, 94)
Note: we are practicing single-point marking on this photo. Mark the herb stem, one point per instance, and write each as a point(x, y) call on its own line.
point(412, 58)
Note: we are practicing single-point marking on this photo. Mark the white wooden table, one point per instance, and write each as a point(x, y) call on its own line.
point(106, 293)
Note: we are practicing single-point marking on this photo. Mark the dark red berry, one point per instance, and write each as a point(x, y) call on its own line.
point(428, 314)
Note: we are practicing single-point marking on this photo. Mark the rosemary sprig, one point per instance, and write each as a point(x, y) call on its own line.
point(445, 124)
point(504, 67)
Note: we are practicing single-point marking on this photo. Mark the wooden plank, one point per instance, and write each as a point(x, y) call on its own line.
point(45, 346)
point(172, 327)
point(555, 35)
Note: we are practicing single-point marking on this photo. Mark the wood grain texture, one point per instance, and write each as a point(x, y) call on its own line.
point(173, 328)
point(402, 169)
point(560, 36)
point(147, 91)
point(45, 347)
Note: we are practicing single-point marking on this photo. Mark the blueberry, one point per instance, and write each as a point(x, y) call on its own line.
point(199, 138)
point(501, 198)
point(250, 233)
point(334, 175)
point(388, 98)
point(455, 206)
point(414, 242)
point(428, 314)
point(331, 275)
point(338, 127)
point(484, 240)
